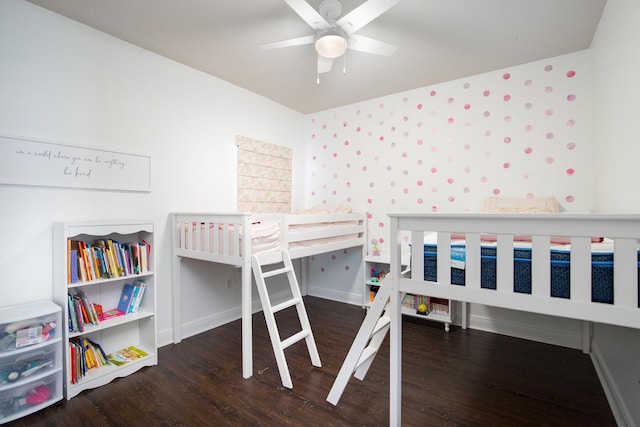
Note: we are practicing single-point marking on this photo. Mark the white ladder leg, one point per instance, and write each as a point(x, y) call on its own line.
point(277, 344)
point(365, 345)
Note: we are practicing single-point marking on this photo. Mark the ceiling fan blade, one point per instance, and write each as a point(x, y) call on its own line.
point(369, 45)
point(324, 64)
point(288, 43)
point(308, 14)
point(363, 14)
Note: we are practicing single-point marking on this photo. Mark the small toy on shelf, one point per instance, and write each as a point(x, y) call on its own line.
point(377, 275)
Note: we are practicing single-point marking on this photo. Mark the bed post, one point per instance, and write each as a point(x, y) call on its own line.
point(247, 332)
point(395, 314)
point(177, 264)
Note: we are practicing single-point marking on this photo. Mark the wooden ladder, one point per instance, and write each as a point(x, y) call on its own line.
point(269, 314)
point(365, 345)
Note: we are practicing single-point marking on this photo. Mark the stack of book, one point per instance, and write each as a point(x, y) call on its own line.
point(81, 311)
point(106, 259)
point(440, 306)
point(131, 296)
point(126, 355)
point(85, 355)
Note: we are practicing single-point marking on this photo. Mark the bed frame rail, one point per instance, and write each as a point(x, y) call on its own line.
point(407, 228)
point(211, 237)
point(624, 230)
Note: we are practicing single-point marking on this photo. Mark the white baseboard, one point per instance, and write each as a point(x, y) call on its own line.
point(206, 323)
point(165, 337)
point(333, 295)
point(526, 331)
point(203, 324)
point(617, 404)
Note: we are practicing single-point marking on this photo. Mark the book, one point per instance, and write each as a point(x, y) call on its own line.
point(72, 358)
point(125, 298)
point(88, 306)
point(73, 322)
point(102, 356)
point(113, 259)
point(110, 314)
point(145, 256)
point(83, 254)
point(73, 266)
point(140, 287)
point(439, 305)
point(69, 261)
point(134, 256)
point(126, 355)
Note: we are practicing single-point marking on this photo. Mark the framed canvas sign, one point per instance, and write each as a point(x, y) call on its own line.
point(29, 162)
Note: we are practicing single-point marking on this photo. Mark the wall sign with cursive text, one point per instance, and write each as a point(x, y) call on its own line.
point(27, 162)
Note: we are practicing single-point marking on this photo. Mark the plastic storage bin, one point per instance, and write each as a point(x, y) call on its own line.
point(30, 358)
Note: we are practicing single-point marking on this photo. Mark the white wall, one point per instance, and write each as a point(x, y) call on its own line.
point(524, 131)
point(64, 82)
point(616, 67)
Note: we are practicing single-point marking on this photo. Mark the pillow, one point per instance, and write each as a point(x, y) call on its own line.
point(312, 211)
point(320, 209)
point(520, 205)
point(342, 209)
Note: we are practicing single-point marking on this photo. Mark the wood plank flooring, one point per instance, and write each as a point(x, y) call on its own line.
point(460, 378)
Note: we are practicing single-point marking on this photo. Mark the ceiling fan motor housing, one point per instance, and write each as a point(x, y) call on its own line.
point(330, 9)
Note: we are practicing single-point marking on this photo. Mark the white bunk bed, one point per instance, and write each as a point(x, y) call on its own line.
point(411, 229)
point(233, 238)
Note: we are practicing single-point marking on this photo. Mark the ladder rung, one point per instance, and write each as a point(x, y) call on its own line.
point(272, 273)
point(286, 304)
point(294, 338)
point(381, 324)
point(367, 353)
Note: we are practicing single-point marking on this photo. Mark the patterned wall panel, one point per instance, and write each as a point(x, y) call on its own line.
point(264, 176)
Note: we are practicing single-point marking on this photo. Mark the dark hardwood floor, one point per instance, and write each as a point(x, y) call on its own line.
point(460, 378)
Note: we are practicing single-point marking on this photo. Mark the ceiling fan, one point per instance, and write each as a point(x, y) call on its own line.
point(334, 35)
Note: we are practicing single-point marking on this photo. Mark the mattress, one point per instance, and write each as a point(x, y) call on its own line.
point(601, 269)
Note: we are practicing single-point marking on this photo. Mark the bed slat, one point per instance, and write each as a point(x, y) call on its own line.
point(540, 266)
point(504, 263)
point(580, 283)
point(444, 257)
point(625, 271)
point(473, 265)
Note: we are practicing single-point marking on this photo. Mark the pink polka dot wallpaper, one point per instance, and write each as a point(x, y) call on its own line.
point(518, 132)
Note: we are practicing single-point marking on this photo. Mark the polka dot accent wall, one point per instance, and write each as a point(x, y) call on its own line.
point(519, 132)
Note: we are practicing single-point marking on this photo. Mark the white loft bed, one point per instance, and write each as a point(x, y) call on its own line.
point(232, 239)
point(411, 228)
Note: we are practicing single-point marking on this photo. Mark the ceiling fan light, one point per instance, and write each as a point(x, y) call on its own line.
point(331, 45)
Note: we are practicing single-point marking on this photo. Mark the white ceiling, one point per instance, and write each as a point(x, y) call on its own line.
point(437, 40)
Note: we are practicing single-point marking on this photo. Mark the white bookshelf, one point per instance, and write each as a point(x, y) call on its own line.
point(435, 312)
point(133, 329)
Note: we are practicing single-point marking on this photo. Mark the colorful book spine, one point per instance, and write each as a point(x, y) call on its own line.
point(125, 298)
point(73, 262)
